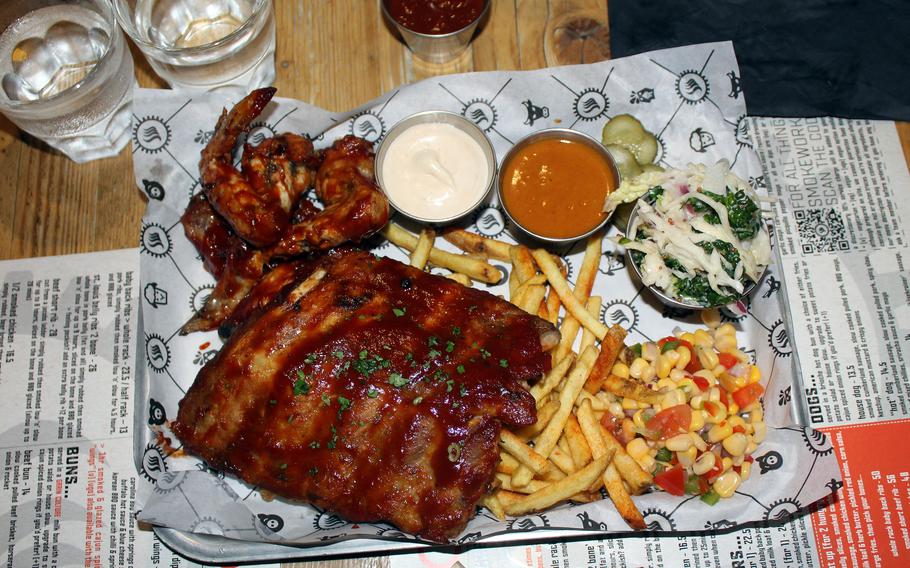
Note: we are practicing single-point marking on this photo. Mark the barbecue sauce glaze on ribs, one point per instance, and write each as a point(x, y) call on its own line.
point(368, 388)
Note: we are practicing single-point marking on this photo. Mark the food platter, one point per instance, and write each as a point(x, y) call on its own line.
point(224, 507)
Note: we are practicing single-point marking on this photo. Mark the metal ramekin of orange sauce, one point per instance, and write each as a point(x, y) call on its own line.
point(553, 183)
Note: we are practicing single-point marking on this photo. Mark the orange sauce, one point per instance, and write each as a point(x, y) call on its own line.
point(556, 188)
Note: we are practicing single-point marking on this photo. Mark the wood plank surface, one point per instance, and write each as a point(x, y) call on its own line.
point(336, 54)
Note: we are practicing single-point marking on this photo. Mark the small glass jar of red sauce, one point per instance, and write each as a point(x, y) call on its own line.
point(436, 30)
point(553, 183)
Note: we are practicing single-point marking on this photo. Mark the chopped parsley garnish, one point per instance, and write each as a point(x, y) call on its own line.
point(283, 466)
point(310, 359)
point(344, 403)
point(397, 381)
point(503, 363)
point(433, 341)
point(462, 390)
point(460, 369)
point(366, 367)
point(450, 385)
point(456, 331)
point(398, 311)
point(314, 444)
point(434, 353)
point(418, 400)
point(334, 441)
point(363, 354)
point(450, 347)
point(372, 393)
point(300, 385)
point(484, 353)
point(339, 354)
point(326, 399)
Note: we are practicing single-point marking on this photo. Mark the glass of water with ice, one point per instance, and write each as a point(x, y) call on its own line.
point(66, 75)
point(204, 45)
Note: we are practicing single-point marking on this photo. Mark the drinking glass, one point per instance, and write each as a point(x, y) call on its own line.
point(67, 75)
point(204, 45)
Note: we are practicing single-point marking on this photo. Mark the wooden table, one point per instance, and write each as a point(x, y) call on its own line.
point(333, 54)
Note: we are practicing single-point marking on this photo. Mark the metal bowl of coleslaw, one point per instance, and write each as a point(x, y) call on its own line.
point(690, 269)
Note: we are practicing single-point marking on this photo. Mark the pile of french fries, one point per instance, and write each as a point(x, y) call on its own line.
point(567, 454)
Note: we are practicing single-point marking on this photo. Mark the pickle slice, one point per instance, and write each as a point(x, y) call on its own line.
point(625, 130)
point(625, 161)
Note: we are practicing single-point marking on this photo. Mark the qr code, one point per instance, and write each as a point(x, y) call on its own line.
point(821, 230)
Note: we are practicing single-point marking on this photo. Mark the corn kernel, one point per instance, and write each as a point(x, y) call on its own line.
point(751, 447)
point(648, 374)
point(686, 385)
point(685, 356)
point(673, 398)
point(677, 375)
point(646, 462)
point(704, 463)
point(732, 408)
point(707, 357)
point(719, 432)
point(628, 429)
point(735, 444)
point(726, 343)
point(741, 356)
point(688, 337)
point(727, 484)
point(711, 318)
point(725, 329)
point(735, 421)
point(708, 376)
point(637, 367)
point(718, 415)
point(745, 470)
point(615, 409)
point(714, 394)
point(637, 448)
point(666, 383)
point(754, 374)
point(665, 363)
point(687, 458)
point(638, 419)
point(679, 443)
point(629, 403)
point(698, 442)
point(737, 460)
point(755, 414)
point(620, 369)
point(698, 421)
point(650, 351)
point(726, 463)
point(703, 339)
point(697, 402)
point(759, 431)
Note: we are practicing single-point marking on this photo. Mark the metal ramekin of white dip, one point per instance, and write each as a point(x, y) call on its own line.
point(415, 173)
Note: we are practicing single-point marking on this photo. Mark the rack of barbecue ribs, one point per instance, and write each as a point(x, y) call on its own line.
point(369, 388)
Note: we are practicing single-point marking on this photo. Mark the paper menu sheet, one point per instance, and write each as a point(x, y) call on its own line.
point(68, 330)
point(843, 206)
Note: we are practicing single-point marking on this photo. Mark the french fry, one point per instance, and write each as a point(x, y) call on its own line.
point(566, 296)
point(588, 270)
point(513, 283)
point(421, 253)
point(536, 280)
point(522, 263)
point(520, 451)
point(494, 506)
point(477, 244)
point(462, 279)
point(562, 460)
point(593, 306)
point(542, 312)
point(505, 482)
point(578, 446)
point(476, 269)
point(551, 379)
point(632, 473)
point(559, 490)
point(507, 464)
point(553, 304)
point(550, 435)
point(621, 498)
point(610, 347)
point(568, 331)
point(532, 299)
point(544, 414)
point(507, 498)
point(596, 403)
